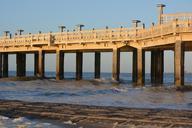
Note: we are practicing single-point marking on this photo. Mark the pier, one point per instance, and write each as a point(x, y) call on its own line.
point(172, 32)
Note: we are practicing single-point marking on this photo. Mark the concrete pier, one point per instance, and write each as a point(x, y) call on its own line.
point(79, 65)
point(97, 65)
point(59, 65)
point(140, 67)
point(5, 64)
point(116, 64)
point(179, 63)
point(21, 64)
point(168, 33)
point(36, 58)
point(157, 66)
point(41, 63)
point(134, 66)
point(1, 65)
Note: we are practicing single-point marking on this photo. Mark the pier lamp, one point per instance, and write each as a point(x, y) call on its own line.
point(20, 31)
point(143, 25)
point(6, 33)
point(61, 28)
point(79, 27)
point(160, 12)
point(135, 23)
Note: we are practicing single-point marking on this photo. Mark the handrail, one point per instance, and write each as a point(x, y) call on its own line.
point(180, 16)
point(113, 34)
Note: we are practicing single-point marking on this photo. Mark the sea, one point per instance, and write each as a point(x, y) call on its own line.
point(90, 91)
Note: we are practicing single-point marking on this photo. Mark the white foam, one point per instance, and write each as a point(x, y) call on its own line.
point(4, 118)
point(19, 119)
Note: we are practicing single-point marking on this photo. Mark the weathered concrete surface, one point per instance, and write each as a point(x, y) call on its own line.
point(99, 117)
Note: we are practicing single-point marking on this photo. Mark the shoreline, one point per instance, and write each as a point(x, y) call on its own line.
point(97, 116)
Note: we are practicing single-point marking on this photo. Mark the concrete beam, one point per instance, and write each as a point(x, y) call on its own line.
point(116, 64)
point(21, 64)
point(79, 65)
point(97, 65)
point(179, 56)
point(59, 65)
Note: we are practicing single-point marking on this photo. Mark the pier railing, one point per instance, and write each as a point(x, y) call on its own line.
point(102, 35)
point(179, 16)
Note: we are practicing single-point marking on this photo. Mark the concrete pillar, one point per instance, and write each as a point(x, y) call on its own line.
point(140, 67)
point(1, 65)
point(116, 64)
point(79, 65)
point(41, 64)
point(97, 65)
point(134, 66)
point(5, 65)
point(36, 58)
point(157, 66)
point(179, 63)
point(21, 64)
point(59, 65)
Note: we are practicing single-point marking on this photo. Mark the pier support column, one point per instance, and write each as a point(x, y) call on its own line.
point(97, 65)
point(134, 66)
point(140, 67)
point(59, 65)
point(179, 55)
point(116, 64)
point(41, 63)
point(36, 58)
point(1, 62)
point(5, 65)
point(21, 64)
point(79, 65)
point(157, 66)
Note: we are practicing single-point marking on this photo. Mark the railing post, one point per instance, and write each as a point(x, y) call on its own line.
point(94, 34)
point(6, 33)
point(175, 26)
point(50, 37)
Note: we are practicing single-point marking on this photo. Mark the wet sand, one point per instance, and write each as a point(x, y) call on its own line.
point(96, 116)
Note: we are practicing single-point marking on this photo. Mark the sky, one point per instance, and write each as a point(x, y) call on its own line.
point(47, 15)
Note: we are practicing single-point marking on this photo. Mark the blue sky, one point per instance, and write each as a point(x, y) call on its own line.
point(46, 15)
